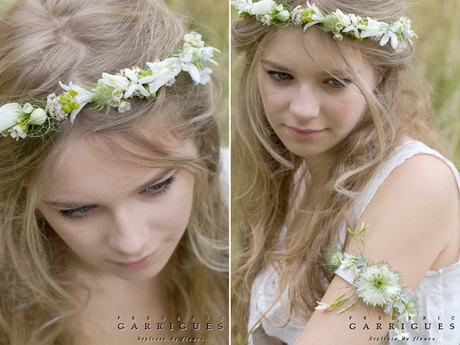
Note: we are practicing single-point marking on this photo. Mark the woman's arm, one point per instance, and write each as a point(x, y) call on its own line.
point(414, 226)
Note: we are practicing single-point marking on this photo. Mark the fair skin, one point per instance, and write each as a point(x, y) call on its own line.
point(418, 204)
point(310, 110)
point(121, 222)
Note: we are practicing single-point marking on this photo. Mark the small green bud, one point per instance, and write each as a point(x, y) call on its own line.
point(74, 104)
point(64, 98)
point(67, 109)
point(73, 93)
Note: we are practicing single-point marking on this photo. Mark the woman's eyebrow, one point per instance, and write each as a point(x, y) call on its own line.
point(69, 204)
point(274, 65)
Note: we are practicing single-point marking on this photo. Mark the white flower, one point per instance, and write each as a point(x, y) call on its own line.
point(164, 72)
point(242, 6)
point(322, 306)
point(296, 16)
point(205, 76)
point(400, 335)
point(317, 14)
point(17, 132)
point(343, 19)
point(83, 97)
point(194, 39)
point(136, 84)
point(206, 54)
point(353, 26)
point(373, 28)
point(124, 106)
point(117, 94)
point(116, 81)
point(54, 108)
point(389, 33)
point(263, 7)
point(266, 19)
point(9, 115)
point(378, 285)
point(38, 117)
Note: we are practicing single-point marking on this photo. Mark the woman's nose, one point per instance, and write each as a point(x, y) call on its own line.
point(304, 103)
point(129, 232)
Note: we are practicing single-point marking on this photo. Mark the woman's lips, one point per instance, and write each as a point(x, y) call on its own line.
point(301, 133)
point(136, 264)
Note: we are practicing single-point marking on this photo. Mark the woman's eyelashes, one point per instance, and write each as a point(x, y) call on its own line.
point(153, 190)
point(79, 212)
point(337, 83)
point(280, 77)
point(160, 188)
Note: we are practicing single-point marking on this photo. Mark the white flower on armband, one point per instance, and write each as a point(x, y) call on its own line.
point(375, 285)
point(378, 285)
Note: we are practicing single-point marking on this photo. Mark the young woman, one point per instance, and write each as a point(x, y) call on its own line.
point(328, 137)
point(113, 225)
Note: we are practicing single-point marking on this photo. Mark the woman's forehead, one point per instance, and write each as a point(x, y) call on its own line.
point(86, 156)
point(312, 48)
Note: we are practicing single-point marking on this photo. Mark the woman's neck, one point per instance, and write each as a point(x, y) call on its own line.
point(113, 306)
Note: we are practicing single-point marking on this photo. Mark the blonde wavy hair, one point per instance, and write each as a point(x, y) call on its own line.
point(43, 42)
point(264, 172)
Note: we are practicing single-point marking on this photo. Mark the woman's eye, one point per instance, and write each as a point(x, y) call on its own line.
point(78, 212)
point(279, 76)
point(161, 187)
point(337, 83)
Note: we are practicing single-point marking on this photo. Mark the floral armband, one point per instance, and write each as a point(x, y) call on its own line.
point(375, 285)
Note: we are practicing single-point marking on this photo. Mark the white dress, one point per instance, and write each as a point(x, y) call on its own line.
point(438, 295)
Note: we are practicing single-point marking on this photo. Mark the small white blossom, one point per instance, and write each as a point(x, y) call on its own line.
point(54, 108)
point(242, 6)
point(266, 19)
point(17, 132)
point(353, 26)
point(296, 16)
point(194, 39)
point(400, 335)
point(136, 84)
point(206, 54)
point(322, 306)
point(117, 95)
point(124, 106)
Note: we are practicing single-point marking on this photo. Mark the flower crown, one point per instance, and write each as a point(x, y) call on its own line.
point(271, 13)
point(38, 116)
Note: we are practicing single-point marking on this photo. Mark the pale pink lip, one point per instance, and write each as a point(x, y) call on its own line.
point(136, 264)
point(304, 133)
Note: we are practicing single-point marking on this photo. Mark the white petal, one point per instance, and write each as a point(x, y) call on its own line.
point(9, 115)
